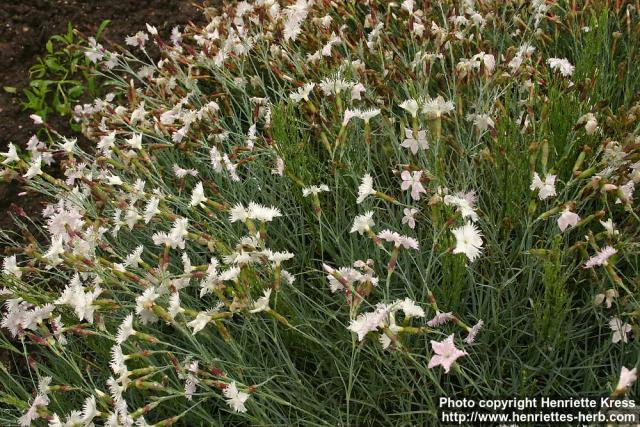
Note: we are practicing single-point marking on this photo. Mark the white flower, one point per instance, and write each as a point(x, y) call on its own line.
point(176, 237)
point(89, 410)
point(562, 65)
point(41, 400)
point(201, 320)
point(367, 115)
point(437, 107)
point(362, 223)
point(487, 59)
point(627, 191)
point(410, 308)
point(197, 197)
point(356, 91)
point(302, 93)
point(118, 359)
point(11, 155)
point(137, 40)
point(55, 250)
point(107, 142)
point(235, 398)
point(365, 189)
point(10, 266)
point(335, 86)
point(279, 169)
point(384, 340)
point(181, 172)
point(238, 213)
point(408, 6)
point(590, 123)
point(151, 209)
point(348, 115)
point(610, 227)
point(601, 257)
point(152, 30)
point(69, 144)
point(134, 258)
point(620, 330)
point(468, 241)
point(409, 217)
point(262, 303)
point(567, 218)
point(174, 305)
point(415, 142)
point(607, 297)
point(410, 105)
point(464, 203)
point(368, 322)
point(135, 141)
point(627, 378)
point(481, 121)
point(296, 14)
point(263, 213)
point(411, 180)
point(314, 189)
point(82, 302)
point(546, 188)
point(125, 330)
point(36, 119)
point(34, 168)
point(144, 305)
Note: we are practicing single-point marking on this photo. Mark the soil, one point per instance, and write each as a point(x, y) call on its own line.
point(25, 27)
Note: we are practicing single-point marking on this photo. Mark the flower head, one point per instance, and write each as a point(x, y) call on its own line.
point(411, 180)
point(627, 378)
point(446, 354)
point(262, 303)
point(197, 197)
point(365, 189)
point(363, 223)
point(437, 107)
point(235, 398)
point(314, 189)
point(11, 155)
point(546, 188)
point(468, 241)
point(415, 142)
point(601, 257)
point(409, 217)
point(567, 219)
point(410, 105)
point(561, 64)
point(620, 330)
point(399, 240)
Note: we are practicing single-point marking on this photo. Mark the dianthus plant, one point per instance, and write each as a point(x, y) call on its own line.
point(332, 213)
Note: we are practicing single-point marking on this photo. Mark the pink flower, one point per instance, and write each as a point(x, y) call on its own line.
point(409, 217)
point(415, 142)
point(567, 219)
point(620, 330)
point(440, 319)
point(399, 240)
point(412, 180)
point(601, 257)
point(446, 354)
point(627, 378)
point(473, 332)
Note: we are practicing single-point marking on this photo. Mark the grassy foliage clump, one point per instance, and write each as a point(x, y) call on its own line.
point(333, 213)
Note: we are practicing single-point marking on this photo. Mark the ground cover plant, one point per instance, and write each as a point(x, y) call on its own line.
point(333, 213)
